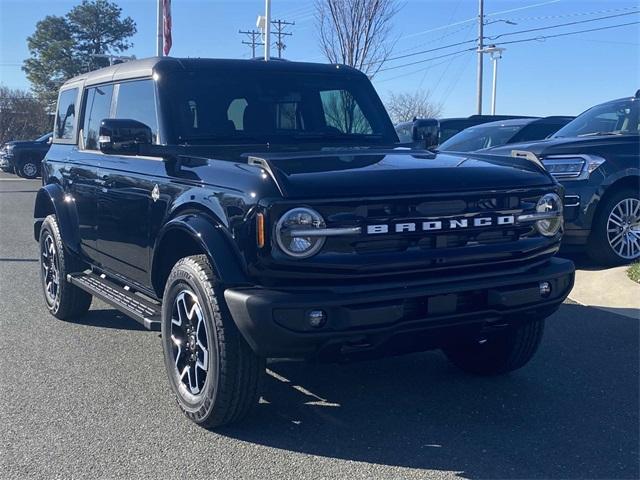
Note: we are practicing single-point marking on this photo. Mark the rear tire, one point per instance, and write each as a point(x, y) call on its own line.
point(64, 300)
point(613, 241)
point(212, 370)
point(28, 169)
point(500, 352)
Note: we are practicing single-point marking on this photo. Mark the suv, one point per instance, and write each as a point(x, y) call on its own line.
point(253, 209)
point(24, 157)
point(597, 159)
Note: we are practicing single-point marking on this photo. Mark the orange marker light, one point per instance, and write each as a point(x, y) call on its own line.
point(260, 230)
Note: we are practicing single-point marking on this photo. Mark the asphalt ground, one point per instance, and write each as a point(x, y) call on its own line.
point(89, 399)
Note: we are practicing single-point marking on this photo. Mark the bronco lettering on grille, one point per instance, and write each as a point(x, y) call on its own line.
point(449, 224)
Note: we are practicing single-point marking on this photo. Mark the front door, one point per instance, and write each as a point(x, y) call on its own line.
point(127, 191)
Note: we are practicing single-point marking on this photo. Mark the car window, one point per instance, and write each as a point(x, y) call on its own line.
point(477, 138)
point(274, 108)
point(43, 138)
point(97, 106)
point(66, 115)
point(343, 113)
point(405, 132)
point(137, 101)
point(536, 131)
point(620, 117)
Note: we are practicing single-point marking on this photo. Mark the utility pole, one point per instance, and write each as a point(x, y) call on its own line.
point(254, 40)
point(480, 51)
point(280, 26)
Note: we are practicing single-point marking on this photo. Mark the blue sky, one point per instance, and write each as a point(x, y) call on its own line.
point(558, 76)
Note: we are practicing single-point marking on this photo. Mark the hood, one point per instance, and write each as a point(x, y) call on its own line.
point(565, 145)
point(20, 143)
point(395, 172)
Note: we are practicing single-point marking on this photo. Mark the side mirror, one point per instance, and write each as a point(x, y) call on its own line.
point(427, 136)
point(121, 136)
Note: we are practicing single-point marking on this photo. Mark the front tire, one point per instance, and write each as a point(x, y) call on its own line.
point(500, 352)
point(64, 300)
point(615, 235)
point(212, 370)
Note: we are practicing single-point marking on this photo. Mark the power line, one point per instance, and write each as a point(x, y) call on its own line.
point(540, 38)
point(545, 37)
point(561, 25)
point(430, 50)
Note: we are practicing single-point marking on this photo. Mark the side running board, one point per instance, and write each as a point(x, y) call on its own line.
point(142, 309)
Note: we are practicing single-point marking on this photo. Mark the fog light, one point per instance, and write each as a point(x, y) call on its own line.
point(317, 318)
point(545, 289)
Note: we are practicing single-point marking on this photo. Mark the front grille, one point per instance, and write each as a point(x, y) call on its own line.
point(371, 257)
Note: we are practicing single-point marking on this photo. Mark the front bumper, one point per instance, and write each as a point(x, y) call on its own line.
point(417, 316)
point(6, 160)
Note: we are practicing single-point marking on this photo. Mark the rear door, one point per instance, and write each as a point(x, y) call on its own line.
point(97, 104)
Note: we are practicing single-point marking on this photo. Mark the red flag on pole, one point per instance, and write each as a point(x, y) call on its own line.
point(166, 15)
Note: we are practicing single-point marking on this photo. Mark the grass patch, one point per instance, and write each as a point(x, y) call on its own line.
point(634, 272)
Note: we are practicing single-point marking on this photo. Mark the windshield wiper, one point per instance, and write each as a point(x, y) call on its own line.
point(595, 134)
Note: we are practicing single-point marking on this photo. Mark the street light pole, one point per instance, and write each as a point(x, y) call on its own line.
point(496, 54)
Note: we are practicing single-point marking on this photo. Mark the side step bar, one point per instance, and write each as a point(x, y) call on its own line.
point(141, 309)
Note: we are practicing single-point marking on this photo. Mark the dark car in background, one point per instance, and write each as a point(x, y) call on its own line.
point(597, 159)
point(24, 157)
point(430, 132)
point(503, 132)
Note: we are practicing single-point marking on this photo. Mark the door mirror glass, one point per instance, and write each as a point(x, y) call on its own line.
point(427, 134)
point(122, 136)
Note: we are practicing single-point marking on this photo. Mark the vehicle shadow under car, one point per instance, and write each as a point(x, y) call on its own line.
point(571, 413)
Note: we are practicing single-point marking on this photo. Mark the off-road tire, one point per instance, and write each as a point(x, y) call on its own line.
point(234, 371)
point(71, 301)
point(598, 247)
point(500, 352)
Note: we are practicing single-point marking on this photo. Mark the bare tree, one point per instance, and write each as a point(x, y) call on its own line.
point(404, 107)
point(356, 32)
point(22, 117)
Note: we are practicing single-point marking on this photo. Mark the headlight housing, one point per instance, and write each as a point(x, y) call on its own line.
point(572, 167)
point(290, 232)
point(551, 205)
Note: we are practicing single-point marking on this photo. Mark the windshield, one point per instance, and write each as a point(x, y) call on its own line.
point(271, 107)
point(477, 138)
point(612, 118)
point(43, 138)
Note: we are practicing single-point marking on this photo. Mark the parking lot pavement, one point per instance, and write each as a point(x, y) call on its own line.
point(89, 399)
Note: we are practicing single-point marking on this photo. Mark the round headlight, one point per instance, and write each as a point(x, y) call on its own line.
point(552, 204)
point(291, 229)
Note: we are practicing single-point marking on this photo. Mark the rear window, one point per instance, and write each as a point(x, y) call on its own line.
point(65, 128)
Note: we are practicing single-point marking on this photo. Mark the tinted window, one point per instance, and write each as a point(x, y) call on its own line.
point(343, 113)
point(536, 131)
point(264, 106)
point(97, 108)
point(614, 117)
point(66, 115)
point(477, 138)
point(137, 101)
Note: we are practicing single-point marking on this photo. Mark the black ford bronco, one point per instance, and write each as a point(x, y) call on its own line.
point(253, 209)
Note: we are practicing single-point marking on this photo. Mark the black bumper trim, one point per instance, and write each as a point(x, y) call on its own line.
point(274, 322)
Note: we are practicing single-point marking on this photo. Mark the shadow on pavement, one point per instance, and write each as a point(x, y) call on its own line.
point(571, 413)
point(109, 318)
